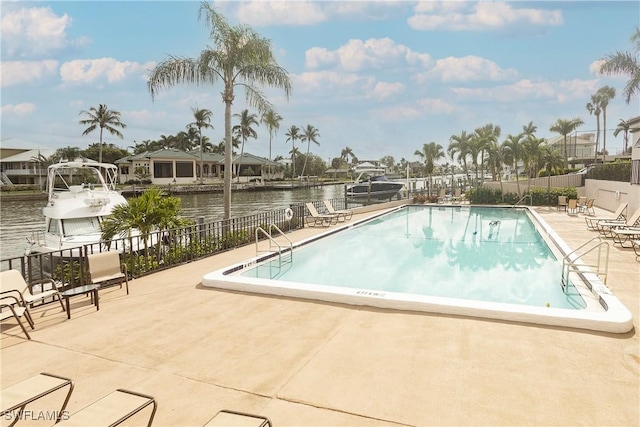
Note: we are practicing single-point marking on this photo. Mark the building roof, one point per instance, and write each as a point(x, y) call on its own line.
point(29, 155)
point(21, 144)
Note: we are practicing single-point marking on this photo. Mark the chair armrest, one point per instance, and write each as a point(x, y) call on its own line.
point(9, 294)
point(52, 282)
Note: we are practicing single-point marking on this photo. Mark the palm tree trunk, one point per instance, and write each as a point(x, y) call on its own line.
point(304, 166)
point(228, 100)
point(604, 134)
point(99, 150)
point(515, 166)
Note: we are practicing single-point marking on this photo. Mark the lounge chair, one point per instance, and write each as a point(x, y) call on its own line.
point(588, 209)
point(113, 409)
point(624, 236)
point(572, 207)
point(345, 214)
point(442, 195)
point(457, 195)
point(562, 202)
point(16, 397)
point(606, 227)
point(105, 269)
point(12, 283)
point(618, 215)
point(10, 307)
point(226, 418)
point(315, 219)
point(636, 248)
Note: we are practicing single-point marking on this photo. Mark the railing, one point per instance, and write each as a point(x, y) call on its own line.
point(273, 243)
point(523, 198)
point(570, 265)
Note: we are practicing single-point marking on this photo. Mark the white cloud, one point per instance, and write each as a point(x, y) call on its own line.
point(90, 70)
point(283, 12)
point(321, 81)
point(526, 90)
point(436, 106)
point(35, 31)
point(19, 109)
point(399, 112)
point(17, 72)
point(357, 55)
point(594, 67)
point(468, 68)
point(480, 16)
point(383, 90)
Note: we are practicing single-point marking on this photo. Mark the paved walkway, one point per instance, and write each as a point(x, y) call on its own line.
point(299, 362)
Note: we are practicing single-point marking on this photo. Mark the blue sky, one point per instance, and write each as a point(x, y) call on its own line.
point(381, 77)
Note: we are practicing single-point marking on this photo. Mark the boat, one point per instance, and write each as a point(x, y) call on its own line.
point(372, 184)
point(80, 195)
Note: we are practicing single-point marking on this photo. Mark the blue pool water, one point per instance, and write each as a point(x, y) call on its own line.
point(475, 253)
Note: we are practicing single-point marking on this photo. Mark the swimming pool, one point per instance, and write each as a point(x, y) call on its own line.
point(493, 262)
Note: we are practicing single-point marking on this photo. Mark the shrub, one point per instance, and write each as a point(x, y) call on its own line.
point(618, 171)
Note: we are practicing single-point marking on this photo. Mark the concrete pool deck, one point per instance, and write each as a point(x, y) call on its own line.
point(299, 362)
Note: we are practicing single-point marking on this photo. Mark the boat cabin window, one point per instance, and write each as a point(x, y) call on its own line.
point(80, 226)
point(53, 227)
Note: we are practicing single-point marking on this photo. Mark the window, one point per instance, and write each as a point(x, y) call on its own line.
point(162, 170)
point(80, 226)
point(53, 227)
point(184, 169)
point(124, 170)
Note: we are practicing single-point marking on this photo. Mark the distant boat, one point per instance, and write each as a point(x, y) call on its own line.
point(372, 184)
point(80, 195)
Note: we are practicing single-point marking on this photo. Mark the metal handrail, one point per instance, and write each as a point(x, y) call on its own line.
point(522, 198)
point(569, 265)
point(273, 243)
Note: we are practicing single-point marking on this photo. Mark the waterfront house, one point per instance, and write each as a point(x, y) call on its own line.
point(20, 162)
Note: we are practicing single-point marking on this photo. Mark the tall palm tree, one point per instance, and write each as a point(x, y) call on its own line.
point(245, 131)
point(564, 127)
point(593, 107)
point(607, 93)
point(346, 153)
point(430, 153)
point(239, 57)
point(202, 118)
point(514, 146)
point(272, 120)
point(69, 153)
point(486, 136)
point(459, 149)
point(292, 134)
point(627, 63)
point(103, 118)
point(552, 162)
point(624, 127)
point(532, 154)
point(310, 134)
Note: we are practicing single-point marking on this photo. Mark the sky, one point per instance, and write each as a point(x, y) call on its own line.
point(380, 77)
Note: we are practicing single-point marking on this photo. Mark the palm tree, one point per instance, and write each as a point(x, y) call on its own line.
point(69, 153)
point(564, 127)
point(103, 118)
point(240, 57)
point(202, 120)
point(310, 135)
point(292, 134)
point(593, 107)
point(244, 131)
point(486, 136)
point(459, 148)
point(272, 120)
point(532, 153)
point(623, 126)
point(430, 153)
point(514, 146)
point(606, 93)
point(346, 153)
point(552, 161)
point(627, 63)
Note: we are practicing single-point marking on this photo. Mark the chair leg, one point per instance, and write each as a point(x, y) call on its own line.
point(61, 303)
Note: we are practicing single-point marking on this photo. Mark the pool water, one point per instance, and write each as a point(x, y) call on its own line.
point(474, 253)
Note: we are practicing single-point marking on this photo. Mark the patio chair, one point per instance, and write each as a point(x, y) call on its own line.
point(624, 236)
point(606, 228)
point(618, 215)
point(16, 397)
point(572, 207)
point(636, 248)
point(105, 269)
point(582, 201)
point(562, 202)
point(314, 218)
point(457, 195)
point(587, 208)
point(10, 307)
point(12, 283)
point(442, 195)
point(226, 418)
point(113, 409)
point(345, 214)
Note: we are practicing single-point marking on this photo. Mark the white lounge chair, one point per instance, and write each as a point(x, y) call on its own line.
point(606, 227)
point(226, 418)
point(105, 269)
point(618, 215)
point(12, 283)
point(343, 214)
point(15, 398)
point(314, 218)
point(113, 409)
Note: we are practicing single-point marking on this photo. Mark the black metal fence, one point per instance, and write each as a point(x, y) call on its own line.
point(158, 250)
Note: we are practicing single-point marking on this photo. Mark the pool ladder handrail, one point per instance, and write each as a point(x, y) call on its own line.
point(273, 243)
point(569, 264)
point(522, 198)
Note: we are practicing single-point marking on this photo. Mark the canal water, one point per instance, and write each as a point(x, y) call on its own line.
point(19, 219)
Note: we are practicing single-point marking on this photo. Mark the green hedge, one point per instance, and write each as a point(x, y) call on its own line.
point(618, 171)
point(539, 196)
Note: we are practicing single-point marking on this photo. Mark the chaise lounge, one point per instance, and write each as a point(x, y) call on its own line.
point(345, 214)
point(315, 219)
point(618, 215)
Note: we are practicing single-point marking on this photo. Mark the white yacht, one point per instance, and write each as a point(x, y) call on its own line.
point(80, 194)
point(372, 183)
